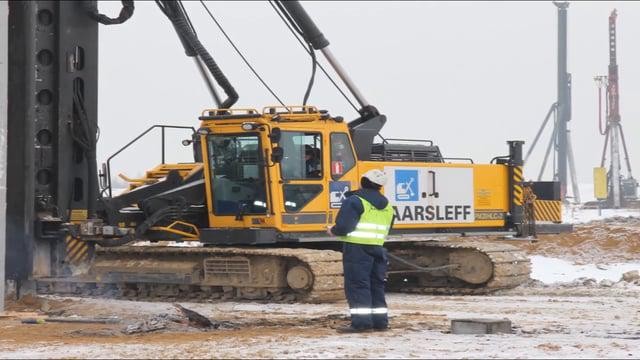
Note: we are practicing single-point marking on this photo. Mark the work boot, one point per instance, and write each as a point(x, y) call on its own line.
point(386, 328)
point(351, 330)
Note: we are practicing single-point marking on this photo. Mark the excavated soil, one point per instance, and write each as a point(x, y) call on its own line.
point(610, 240)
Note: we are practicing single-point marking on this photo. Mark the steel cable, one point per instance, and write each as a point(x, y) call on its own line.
point(309, 52)
point(240, 53)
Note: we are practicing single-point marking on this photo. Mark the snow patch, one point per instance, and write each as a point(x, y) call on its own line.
point(552, 270)
point(573, 214)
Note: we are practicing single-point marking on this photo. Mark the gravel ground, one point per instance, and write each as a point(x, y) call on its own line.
point(566, 321)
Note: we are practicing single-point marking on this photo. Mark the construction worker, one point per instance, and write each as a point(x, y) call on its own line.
point(363, 222)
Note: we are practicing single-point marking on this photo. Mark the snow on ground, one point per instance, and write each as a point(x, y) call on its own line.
point(574, 215)
point(551, 270)
point(612, 232)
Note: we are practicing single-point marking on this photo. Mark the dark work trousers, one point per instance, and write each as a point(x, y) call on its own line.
point(364, 268)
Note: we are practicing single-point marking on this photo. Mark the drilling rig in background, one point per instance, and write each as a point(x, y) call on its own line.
point(559, 143)
point(612, 188)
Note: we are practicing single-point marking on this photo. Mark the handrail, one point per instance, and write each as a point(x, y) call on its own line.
point(504, 157)
point(163, 127)
point(386, 140)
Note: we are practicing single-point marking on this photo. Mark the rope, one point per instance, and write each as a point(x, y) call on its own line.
point(417, 268)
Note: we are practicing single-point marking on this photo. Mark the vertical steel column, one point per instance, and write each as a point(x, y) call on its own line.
point(4, 56)
point(52, 115)
point(564, 111)
point(572, 170)
point(615, 163)
point(515, 185)
point(20, 130)
point(614, 113)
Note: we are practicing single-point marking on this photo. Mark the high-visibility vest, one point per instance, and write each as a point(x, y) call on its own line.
point(373, 227)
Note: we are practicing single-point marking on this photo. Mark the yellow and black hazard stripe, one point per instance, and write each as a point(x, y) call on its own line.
point(517, 186)
point(548, 210)
point(77, 251)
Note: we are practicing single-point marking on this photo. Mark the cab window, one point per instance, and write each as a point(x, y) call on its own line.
point(237, 172)
point(342, 158)
point(302, 158)
point(297, 196)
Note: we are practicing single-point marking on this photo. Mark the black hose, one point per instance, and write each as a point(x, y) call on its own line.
point(125, 13)
point(313, 75)
point(142, 228)
point(178, 18)
point(114, 242)
point(93, 191)
point(295, 26)
point(84, 132)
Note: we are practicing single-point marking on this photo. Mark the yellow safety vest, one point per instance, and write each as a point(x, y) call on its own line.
point(373, 227)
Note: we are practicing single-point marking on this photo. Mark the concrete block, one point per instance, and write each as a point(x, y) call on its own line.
point(480, 326)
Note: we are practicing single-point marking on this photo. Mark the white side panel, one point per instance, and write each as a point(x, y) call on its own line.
point(422, 195)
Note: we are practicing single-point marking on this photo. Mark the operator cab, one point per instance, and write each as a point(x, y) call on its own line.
point(274, 170)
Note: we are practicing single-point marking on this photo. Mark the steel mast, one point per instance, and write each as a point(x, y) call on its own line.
point(620, 189)
point(560, 111)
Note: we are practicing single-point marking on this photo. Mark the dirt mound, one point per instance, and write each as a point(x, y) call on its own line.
point(30, 302)
point(611, 240)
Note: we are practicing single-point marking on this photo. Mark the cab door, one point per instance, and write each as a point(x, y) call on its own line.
point(343, 172)
point(303, 179)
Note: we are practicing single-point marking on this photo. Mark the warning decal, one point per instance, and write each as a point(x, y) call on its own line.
point(431, 195)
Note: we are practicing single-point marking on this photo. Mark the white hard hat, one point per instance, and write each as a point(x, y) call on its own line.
point(376, 176)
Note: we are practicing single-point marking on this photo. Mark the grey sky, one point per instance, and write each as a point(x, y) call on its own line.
point(468, 75)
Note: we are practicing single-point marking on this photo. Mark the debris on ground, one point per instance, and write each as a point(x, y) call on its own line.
point(71, 319)
point(155, 323)
point(631, 276)
point(196, 319)
point(185, 320)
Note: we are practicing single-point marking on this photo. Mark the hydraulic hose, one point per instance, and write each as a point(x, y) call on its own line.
point(185, 32)
point(125, 13)
point(221, 79)
point(141, 229)
point(117, 241)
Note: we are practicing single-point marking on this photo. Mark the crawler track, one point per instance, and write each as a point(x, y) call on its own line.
point(509, 267)
point(161, 273)
point(137, 272)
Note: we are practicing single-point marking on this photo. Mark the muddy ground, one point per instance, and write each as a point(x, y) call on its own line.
point(569, 320)
point(598, 325)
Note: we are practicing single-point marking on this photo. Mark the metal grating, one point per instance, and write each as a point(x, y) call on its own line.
point(405, 152)
point(227, 266)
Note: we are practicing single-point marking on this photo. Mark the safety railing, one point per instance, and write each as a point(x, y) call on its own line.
point(388, 140)
point(107, 169)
